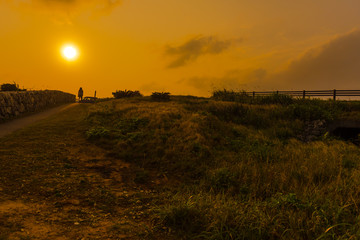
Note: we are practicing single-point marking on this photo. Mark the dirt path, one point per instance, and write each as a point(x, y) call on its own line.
point(9, 127)
point(56, 184)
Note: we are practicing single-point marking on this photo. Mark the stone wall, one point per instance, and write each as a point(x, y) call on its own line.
point(14, 104)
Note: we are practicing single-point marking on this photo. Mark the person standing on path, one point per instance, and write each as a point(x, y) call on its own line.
point(80, 94)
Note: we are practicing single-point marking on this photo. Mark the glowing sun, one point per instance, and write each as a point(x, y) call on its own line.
point(70, 52)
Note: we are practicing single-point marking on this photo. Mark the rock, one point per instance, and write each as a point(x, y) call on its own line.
point(313, 130)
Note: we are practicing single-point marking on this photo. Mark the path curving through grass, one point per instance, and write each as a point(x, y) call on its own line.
point(9, 127)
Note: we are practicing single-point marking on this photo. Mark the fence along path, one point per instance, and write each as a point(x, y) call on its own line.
point(316, 93)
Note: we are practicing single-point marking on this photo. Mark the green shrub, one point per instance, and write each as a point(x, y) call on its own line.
point(257, 118)
point(231, 96)
point(308, 111)
point(285, 132)
point(263, 150)
point(241, 114)
point(97, 132)
point(160, 96)
point(275, 98)
point(289, 200)
point(244, 97)
point(228, 112)
point(126, 94)
point(128, 125)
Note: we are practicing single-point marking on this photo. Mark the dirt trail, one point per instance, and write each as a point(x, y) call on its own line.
point(9, 127)
point(56, 184)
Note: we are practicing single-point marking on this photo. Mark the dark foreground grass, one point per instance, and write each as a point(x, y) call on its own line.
point(221, 170)
point(238, 171)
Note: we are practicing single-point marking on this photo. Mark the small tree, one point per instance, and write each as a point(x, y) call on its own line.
point(160, 96)
point(126, 94)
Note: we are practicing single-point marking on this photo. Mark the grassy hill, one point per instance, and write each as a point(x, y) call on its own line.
point(189, 168)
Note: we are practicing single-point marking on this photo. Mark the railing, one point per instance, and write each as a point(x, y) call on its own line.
point(319, 93)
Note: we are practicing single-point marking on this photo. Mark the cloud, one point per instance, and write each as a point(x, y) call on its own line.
point(335, 64)
point(65, 10)
point(196, 47)
point(245, 79)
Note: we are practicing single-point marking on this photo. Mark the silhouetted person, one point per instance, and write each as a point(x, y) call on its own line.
point(80, 94)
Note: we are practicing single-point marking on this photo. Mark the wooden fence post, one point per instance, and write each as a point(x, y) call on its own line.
point(304, 94)
point(253, 94)
point(334, 95)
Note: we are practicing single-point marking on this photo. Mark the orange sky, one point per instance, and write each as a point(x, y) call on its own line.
point(184, 47)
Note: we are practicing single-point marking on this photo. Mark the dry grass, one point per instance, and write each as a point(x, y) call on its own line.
point(221, 170)
point(242, 173)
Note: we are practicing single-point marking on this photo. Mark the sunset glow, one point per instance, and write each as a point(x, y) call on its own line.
point(69, 52)
point(182, 47)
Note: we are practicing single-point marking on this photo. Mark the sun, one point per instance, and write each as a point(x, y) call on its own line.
point(70, 52)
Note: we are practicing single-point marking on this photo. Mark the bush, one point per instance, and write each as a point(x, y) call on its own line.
point(11, 87)
point(228, 112)
point(126, 94)
point(309, 111)
point(275, 99)
point(160, 96)
point(244, 97)
point(240, 113)
point(231, 96)
point(97, 133)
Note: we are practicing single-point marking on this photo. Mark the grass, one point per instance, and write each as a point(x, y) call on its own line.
point(221, 169)
point(240, 169)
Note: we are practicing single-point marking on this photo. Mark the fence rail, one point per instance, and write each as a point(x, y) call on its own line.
point(315, 93)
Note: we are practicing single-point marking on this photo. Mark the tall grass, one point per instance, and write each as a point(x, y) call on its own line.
point(244, 97)
point(241, 171)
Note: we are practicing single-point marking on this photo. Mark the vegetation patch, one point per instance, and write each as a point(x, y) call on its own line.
point(160, 96)
point(126, 94)
point(193, 168)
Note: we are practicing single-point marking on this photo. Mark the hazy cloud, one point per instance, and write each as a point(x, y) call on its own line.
point(335, 64)
point(196, 47)
point(64, 10)
point(235, 79)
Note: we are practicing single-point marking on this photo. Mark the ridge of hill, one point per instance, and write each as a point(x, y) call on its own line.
point(183, 169)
